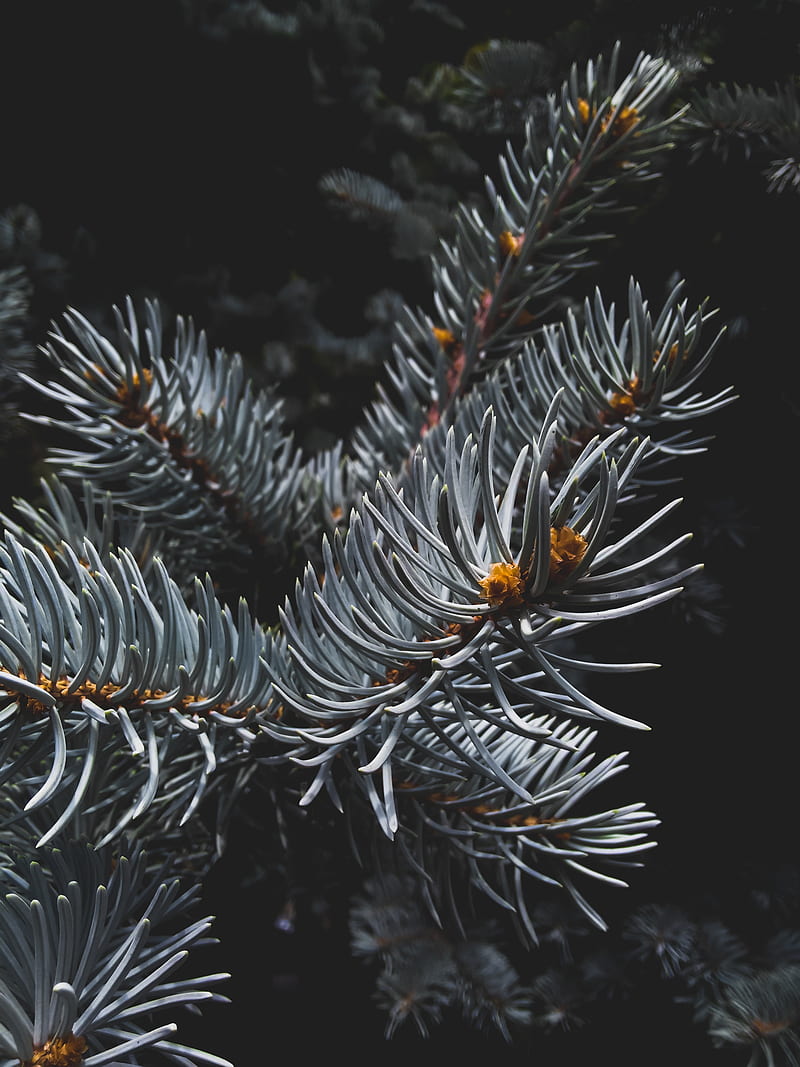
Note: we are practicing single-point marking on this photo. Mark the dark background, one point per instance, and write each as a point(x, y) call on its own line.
point(166, 156)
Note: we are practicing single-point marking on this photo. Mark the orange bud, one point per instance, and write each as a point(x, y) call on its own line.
point(503, 585)
point(510, 244)
point(567, 548)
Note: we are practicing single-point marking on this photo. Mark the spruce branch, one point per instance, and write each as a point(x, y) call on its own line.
point(496, 282)
point(616, 382)
point(430, 610)
point(364, 198)
point(427, 972)
point(758, 123)
point(73, 514)
point(429, 672)
point(760, 1013)
point(499, 80)
point(104, 683)
point(473, 832)
point(491, 991)
point(182, 438)
point(90, 943)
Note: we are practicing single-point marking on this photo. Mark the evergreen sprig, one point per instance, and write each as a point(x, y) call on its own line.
point(104, 683)
point(430, 611)
point(495, 284)
point(758, 123)
point(91, 943)
point(182, 438)
point(430, 670)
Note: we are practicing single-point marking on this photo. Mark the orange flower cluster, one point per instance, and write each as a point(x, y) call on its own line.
point(510, 244)
point(503, 586)
point(445, 338)
point(567, 549)
point(624, 120)
point(619, 121)
point(59, 1052)
point(622, 404)
point(584, 110)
